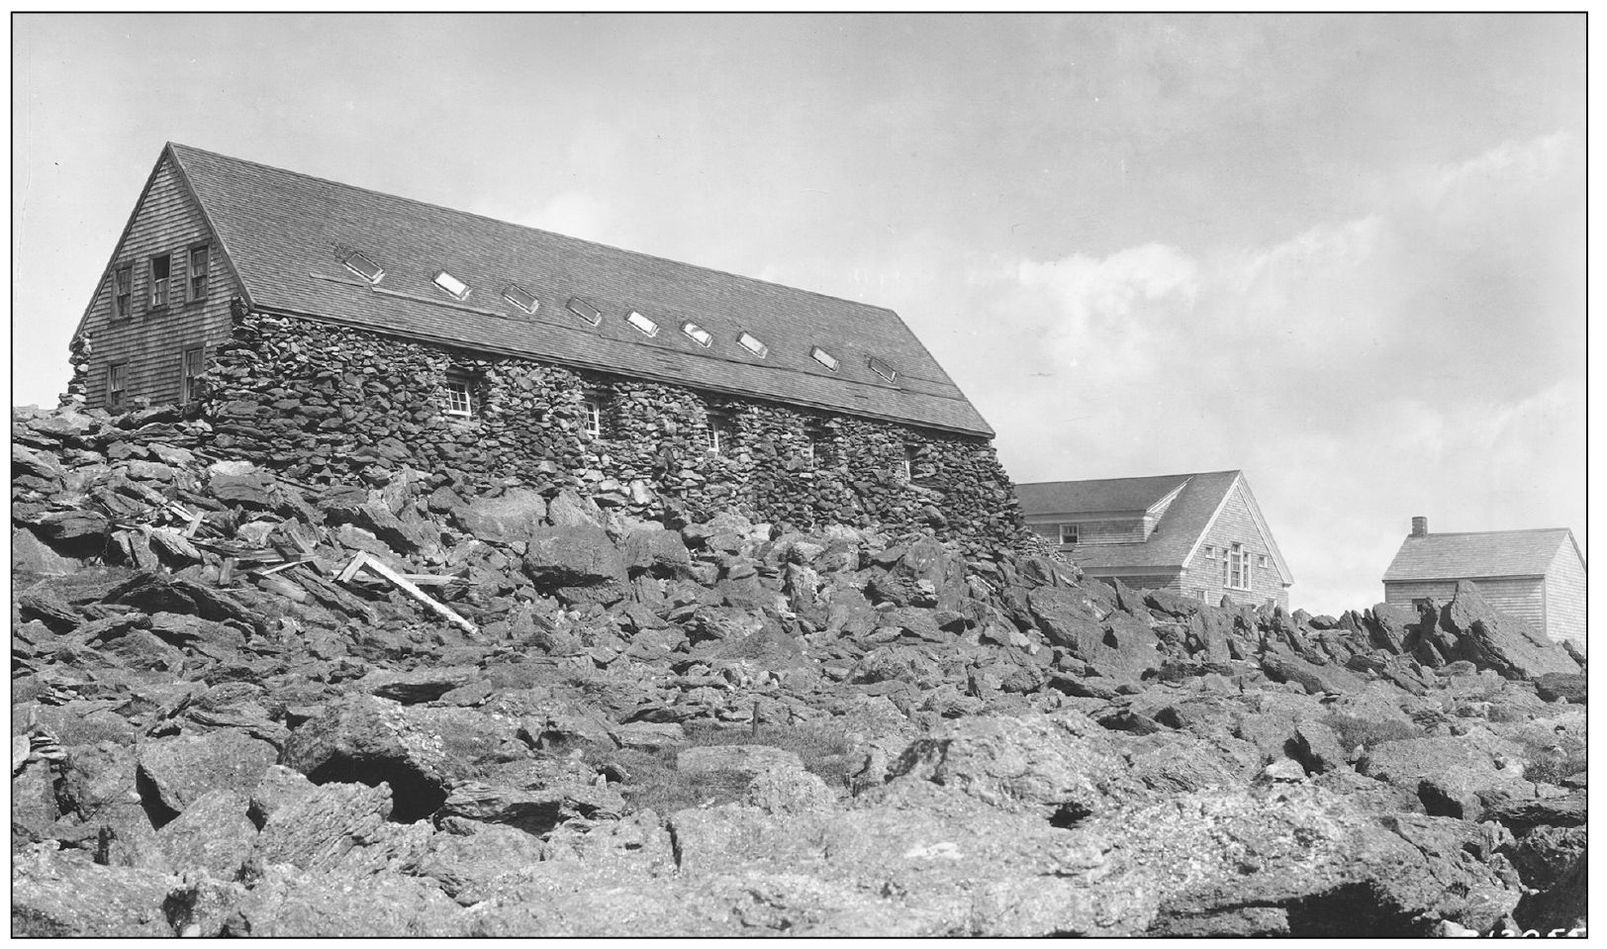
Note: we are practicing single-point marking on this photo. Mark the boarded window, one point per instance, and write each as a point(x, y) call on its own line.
point(198, 263)
point(161, 267)
point(122, 293)
point(116, 386)
point(192, 368)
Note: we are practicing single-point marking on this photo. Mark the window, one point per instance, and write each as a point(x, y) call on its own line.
point(198, 261)
point(722, 431)
point(116, 386)
point(1238, 565)
point(751, 343)
point(882, 369)
point(818, 443)
point(1068, 535)
point(908, 466)
point(1203, 594)
point(824, 358)
point(459, 401)
point(1261, 561)
point(122, 293)
point(584, 310)
point(593, 407)
point(192, 368)
point(521, 298)
point(1210, 552)
point(160, 268)
point(358, 263)
point(698, 334)
point(1421, 603)
point(452, 285)
point(642, 323)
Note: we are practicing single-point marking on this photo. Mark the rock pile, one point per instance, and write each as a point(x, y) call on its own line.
point(712, 726)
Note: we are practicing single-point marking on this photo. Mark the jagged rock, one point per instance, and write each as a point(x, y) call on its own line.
point(1454, 777)
point(1318, 748)
point(532, 811)
point(655, 549)
point(1566, 811)
point(1569, 686)
point(291, 903)
point(1510, 647)
point(511, 517)
point(29, 556)
point(212, 836)
point(174, 772)
point(56, 894)
point(572, 555)
point(465, 866)
point(425, 684)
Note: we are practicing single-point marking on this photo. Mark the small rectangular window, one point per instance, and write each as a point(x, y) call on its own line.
point(593, 407)
point(1203, 595)
point(698, 334)
point(161, 266)
point(1261, 561)
point(818, 444)
point(459, 397)
point(1068, 535)
point(192, 369)
point(1210, 552)
point(722, 431)
point(116, 386)
point(198, 263)
point(1238, 567)
point(908, 467)
point(824, 358)
point(642, 323)
point(751, 343)
point(882, 369)
point(521, 298)
point(358, 263)
point(122, 293)
point(584, 310)
point(452, 285)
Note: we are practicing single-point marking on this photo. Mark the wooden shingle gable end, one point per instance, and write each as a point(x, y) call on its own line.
point(1241, 484)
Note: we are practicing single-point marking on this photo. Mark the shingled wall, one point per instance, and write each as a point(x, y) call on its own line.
point(320, 402)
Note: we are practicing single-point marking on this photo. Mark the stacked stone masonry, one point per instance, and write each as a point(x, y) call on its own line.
point(320, 402)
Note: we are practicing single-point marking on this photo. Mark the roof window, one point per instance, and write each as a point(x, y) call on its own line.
point(642, 323)
point(882, 369)
point(698, 334)
point(451, 285)
point(824, 358)
point(584, 310)
point(751, 343)
point(358, 263)
point(521, 298)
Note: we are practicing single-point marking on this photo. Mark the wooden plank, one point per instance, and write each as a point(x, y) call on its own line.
point(226, 572)
point(351, 569)
point(270, 571)
point(413, 591)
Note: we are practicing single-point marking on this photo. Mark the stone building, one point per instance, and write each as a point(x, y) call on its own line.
point(1536, 576)
point(334, 332)
point(1200, 534)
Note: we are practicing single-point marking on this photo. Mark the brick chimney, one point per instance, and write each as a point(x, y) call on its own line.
point(1420, 526)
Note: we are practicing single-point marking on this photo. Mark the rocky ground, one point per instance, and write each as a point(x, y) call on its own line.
point(219, 727)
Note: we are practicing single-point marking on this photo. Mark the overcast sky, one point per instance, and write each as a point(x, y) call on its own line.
point(1345, 253)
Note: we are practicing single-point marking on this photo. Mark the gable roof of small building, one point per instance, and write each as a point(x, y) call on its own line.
point(1177, 534)
point(279, 232)
point(1486, 554)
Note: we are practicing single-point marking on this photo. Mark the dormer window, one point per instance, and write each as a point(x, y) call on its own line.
point(647, 326)
point(521, 298)
point(698, 334)
point(882, 369)
point(824, 358)
point(358, 263)
point(452, 285)
point(583, 310)
point(751, 343)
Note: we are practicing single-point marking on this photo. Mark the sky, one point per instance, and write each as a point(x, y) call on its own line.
point(1343, 253)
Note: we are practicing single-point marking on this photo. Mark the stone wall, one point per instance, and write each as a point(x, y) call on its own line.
point(319, 402)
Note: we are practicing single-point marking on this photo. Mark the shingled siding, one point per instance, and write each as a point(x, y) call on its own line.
point(1519, 598)
point(1565, 598)
point(152, 341)
point(1235, 524)
point(322, 402)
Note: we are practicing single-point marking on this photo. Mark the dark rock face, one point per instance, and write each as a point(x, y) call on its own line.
point(694, 724)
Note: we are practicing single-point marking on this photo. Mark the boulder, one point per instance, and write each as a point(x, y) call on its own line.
point(1509, 646)
point(175, 772)
point(572, 555)
point(511, 517)
point(290, 903)
point(57, 893)
point(534, 811)
point(1453, 776)
point(1569, 686)
point(213, 835)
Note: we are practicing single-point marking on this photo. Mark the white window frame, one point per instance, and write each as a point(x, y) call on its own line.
point(1238, 564)
point(697, 334)
point(1076, 532)
point(909, 464)
point(753, 344)
point(378, 271)
point(590, 314)
point(717, 420)
point(451, 285)
point(824, 358)
point(459, 398)
point(593, 406)
point(161, 287)
point(513, 291)
point(882, 369)
point(644, 325)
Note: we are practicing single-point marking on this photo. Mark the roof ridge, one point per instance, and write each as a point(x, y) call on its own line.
point(541, 230)
point(1518, 530)
point(1184, 474)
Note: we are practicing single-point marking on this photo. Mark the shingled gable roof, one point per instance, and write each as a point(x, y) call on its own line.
point(279, 230)
point(1487, 554)
point(1177, 534)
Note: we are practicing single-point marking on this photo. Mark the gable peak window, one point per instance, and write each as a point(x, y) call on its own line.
point(452, 285)
point(752, 344)
point(161, 268)
point(123, 293)
point(359, 263)
point(521, 298)
point(197, 271)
